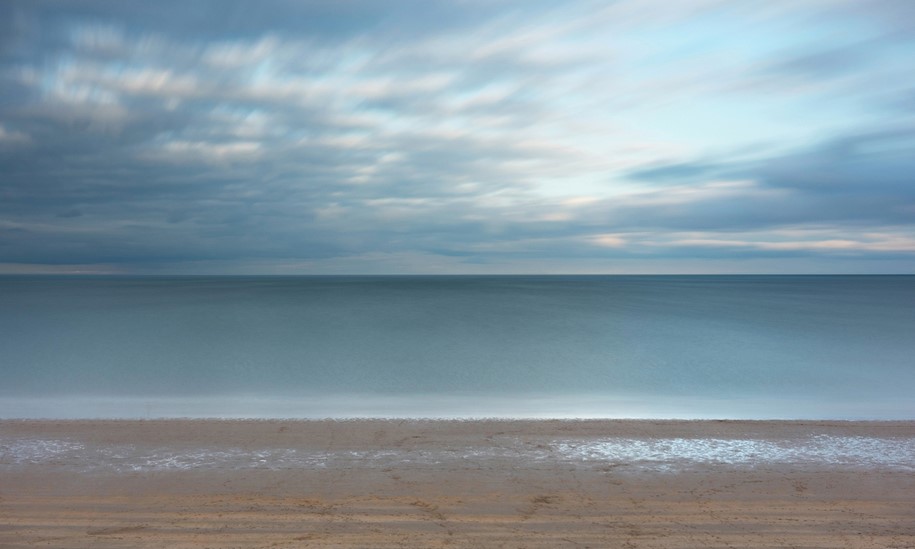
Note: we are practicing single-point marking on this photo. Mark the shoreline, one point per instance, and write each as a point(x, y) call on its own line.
point(436, 421)
point(447, 406)
point(456, 483)
point(481, 420)
point(647, 427)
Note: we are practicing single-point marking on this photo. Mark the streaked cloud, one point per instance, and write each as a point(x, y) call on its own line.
point(457, 136)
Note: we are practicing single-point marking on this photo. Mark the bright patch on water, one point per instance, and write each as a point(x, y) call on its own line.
point(28, 451)
point(663, 454)
point(822, 449)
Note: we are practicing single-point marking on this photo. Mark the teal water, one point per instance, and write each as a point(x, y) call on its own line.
point(837, 347)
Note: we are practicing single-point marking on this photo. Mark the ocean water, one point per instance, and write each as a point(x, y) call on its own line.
point(830, 347)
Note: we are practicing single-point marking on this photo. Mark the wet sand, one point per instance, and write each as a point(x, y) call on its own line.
point(190, 483)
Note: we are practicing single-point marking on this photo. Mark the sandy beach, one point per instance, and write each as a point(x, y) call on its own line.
point(390, 483)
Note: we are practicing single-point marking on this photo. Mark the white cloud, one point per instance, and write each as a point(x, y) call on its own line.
point(179, 151)
point(239, 54)
point(678, 195)
point(608, 240)
point(797, 240)
point(151, 81)
point(10, 137)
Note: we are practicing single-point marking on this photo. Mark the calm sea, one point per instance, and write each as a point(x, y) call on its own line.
point(840, 347)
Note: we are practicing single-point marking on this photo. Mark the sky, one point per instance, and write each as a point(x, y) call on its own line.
point(462, 137)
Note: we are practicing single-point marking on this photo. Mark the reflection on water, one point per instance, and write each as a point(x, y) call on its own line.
point(655, 454)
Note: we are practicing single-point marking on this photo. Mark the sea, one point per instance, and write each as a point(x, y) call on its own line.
point(684, 347)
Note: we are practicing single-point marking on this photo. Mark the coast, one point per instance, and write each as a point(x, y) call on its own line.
point(434, 483)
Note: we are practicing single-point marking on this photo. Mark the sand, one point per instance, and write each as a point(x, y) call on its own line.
point(513, 484)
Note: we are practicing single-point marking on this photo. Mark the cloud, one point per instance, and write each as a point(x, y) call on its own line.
point(873, 244)
point(183, 152)
point(857, 178)
point(12, 138)
point(452, 136)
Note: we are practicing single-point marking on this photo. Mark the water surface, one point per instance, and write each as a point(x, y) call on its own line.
point(837, 347)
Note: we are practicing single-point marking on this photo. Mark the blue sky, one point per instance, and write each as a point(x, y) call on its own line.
point(470, 136)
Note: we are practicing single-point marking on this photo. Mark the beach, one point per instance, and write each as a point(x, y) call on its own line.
point(433, 483)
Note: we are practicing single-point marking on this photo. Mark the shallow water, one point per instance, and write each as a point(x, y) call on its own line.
point(622, 454)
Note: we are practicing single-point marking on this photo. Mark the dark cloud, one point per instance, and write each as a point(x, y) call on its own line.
point(678, 173)
point(214, 20)
point(857, 181)
point(878, 163)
